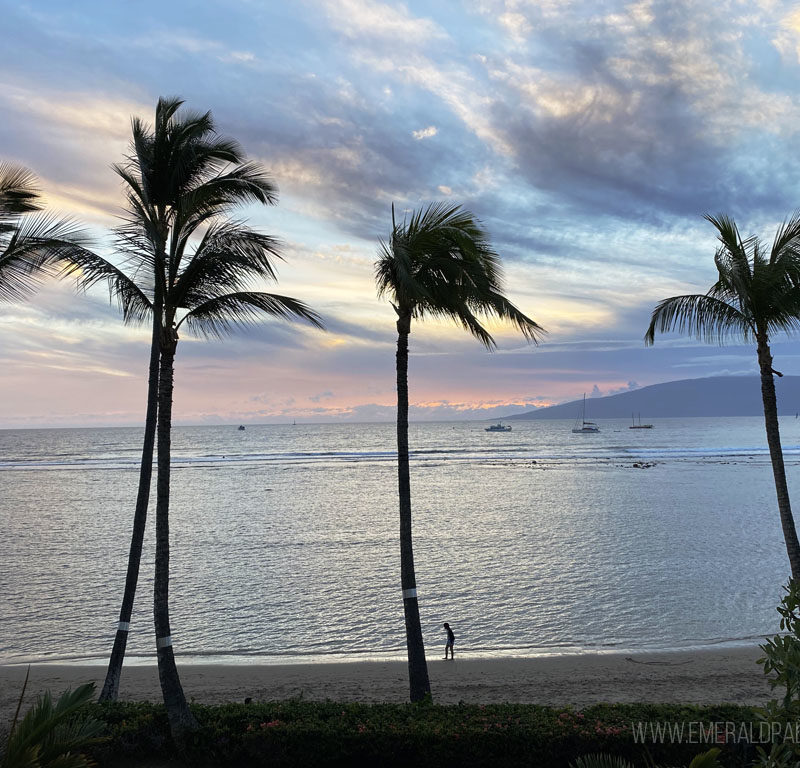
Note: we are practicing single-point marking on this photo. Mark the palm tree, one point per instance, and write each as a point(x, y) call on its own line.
point(177, 156)
point(28, 237)
point(757, 294)
point(438, 263)
point(195, 267)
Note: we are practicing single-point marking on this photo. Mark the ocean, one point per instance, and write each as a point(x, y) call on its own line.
point(285, 539)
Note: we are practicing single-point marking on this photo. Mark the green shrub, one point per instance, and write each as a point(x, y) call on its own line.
point(53, 733)
point(304, 733)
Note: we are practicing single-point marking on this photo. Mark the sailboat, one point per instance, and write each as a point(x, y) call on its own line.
point(634, 425)
point(583, 427)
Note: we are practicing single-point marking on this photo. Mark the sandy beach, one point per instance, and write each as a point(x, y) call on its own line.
point(697, 677)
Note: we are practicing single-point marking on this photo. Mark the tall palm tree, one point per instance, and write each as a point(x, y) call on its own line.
point(757, 294)
point(194, 267)
point(180, 154)
point(207, 289)
point(28, 237)
point(438, 263)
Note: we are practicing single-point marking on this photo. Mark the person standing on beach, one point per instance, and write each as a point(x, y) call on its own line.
point(451, 639)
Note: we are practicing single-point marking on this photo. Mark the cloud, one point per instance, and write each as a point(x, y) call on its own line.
point(321, 396)
point(587, 137)
point(425, 133)
point(376, 22)
point(641, 109)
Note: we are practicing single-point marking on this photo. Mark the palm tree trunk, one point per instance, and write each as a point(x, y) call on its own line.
point(111, 686)
point(776, 454)
point(417, 666)
point(180, 718)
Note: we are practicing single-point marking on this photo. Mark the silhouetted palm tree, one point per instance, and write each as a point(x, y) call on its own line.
point(438, 263)
point(28, 237)
point(757, 294)
point(195, 267)
point(177, 157)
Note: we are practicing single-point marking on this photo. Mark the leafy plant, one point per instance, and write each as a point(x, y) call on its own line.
point(601, 760)
point(779, 756)
point(781, 663)
point(52, 735)
point(781, 660)
point(707, 759)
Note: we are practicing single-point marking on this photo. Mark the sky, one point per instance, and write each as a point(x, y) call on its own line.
point(588, 137)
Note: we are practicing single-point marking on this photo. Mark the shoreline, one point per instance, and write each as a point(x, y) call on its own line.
point(398, 655)
point(707, 676)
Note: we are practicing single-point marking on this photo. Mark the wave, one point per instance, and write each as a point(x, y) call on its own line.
point(599, 452)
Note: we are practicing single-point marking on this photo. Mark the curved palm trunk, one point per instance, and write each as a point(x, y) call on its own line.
point(417, 666)
point(111, 686)
point(776, 454)
point(180, 718)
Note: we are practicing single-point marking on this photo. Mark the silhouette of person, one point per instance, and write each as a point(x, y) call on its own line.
point(451, 639)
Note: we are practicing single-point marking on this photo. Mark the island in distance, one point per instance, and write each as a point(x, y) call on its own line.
point(712, 396)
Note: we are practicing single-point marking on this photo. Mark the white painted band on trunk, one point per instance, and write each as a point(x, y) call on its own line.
point(124, 626)
point(409, 593)
point(164, 642)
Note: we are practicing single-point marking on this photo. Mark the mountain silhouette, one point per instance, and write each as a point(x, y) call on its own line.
point(713, 396)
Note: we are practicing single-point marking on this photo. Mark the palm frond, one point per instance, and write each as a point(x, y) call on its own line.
point(784, 311)
point(460, 313)
point(601, 760)
point(38, 242)
point(787, 239)
point(395, 278)
point(732, 259)
point(51, 733)
point(89, 269)
point(702, 316)
point(505, 310)
point(228, 258)
point(18, 191)
point(220, 315)
point(217, 196)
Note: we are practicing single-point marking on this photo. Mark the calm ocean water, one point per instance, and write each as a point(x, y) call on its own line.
point(284, 539)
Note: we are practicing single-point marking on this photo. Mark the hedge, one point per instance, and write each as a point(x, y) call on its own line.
point(305, 733)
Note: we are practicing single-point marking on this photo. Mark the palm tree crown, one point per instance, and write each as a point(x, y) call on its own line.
point(757, 291)
point(439, 263)
point(181, 181)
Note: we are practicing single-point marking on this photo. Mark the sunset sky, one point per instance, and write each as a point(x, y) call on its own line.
point(589, 137)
